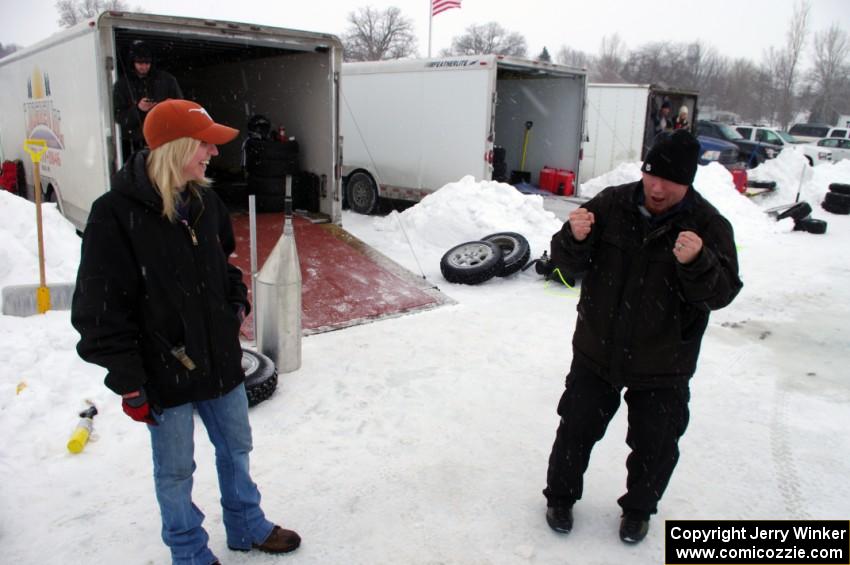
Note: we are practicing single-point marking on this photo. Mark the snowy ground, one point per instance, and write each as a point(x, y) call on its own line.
point(424, 439)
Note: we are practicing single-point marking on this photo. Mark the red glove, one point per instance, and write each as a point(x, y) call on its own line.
point(136, 405)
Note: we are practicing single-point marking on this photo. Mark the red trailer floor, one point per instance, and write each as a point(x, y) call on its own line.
point(343, 281)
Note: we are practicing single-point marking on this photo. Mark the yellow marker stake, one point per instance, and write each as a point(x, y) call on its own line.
point(36, 148)
point(20, 388)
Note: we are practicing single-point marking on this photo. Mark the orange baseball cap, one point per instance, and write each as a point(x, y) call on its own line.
point(172, 119)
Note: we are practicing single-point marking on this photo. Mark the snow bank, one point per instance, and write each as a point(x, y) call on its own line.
point(19, 251)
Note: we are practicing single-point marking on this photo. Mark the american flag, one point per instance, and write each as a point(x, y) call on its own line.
point(439, 6)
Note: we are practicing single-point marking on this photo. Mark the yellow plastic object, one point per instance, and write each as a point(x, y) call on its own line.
point(42, 299)
point(36, 148)
point(20, 388)
point(80, 436)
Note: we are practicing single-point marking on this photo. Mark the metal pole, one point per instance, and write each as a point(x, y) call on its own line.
point(252, 229)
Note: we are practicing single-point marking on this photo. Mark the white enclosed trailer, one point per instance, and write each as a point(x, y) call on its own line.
point(411, 126)
point(620, 122)
point(60, 90)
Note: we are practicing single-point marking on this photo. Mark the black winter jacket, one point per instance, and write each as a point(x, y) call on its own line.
point(146, 286)
point(157, 85)
point(642, 314)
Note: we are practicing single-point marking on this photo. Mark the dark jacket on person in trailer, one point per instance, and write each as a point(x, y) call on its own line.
point(148, 287)
point(642, 314)
point(158, 85)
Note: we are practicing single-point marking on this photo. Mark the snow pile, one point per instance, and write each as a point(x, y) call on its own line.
point(19, 252)
point(625, 172)
point(789, 168)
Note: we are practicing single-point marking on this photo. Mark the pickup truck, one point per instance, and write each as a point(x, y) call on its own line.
point(840, 148)
point(814, 154)
point(752, 153)
point(712, 149)
point(814, 132)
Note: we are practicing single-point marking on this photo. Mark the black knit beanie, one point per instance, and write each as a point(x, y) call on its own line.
point(673, 157)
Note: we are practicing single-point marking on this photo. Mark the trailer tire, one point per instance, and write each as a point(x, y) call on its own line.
point(260, 376)
point(810, 225)
point(840, 188)
point(515, 251)
point(472, 262)
point(798, 211)
point(361, 193)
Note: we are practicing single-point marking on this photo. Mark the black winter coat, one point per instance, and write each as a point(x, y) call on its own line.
point(157, 85)
point(146, 286)
point(642, 314)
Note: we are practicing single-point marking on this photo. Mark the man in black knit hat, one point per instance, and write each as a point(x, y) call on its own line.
point(657, 258)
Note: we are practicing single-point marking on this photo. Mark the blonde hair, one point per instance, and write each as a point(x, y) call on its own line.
point(165, 169)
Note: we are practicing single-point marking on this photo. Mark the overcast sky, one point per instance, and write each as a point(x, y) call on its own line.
point(736, 28)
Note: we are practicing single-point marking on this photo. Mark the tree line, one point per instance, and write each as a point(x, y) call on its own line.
point(809, 72)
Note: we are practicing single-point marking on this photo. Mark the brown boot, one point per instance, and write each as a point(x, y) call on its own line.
point(280, 541)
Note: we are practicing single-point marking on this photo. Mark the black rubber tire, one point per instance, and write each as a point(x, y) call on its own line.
point(798, 211)
point(361, 193)
point(260, 376)
point(840, 188)
point(472, 262)
point(833, 208)
point(515, 251)
point(762, 184)
point(266, 185)
point(271, 158)
point(837, 199)
point(811, 225)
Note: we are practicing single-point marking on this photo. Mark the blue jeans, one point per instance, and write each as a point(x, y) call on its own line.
point(226, 420)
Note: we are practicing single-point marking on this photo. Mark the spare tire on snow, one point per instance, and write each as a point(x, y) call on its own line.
point(798, 211)
point(840, 188)
point(811, 225)
point(472, 262)
point(762, 184)
point(515, 251)
point(260, 376)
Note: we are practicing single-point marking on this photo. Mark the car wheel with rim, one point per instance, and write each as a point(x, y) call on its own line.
point(472, 262)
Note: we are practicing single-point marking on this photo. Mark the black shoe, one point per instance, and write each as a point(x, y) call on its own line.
point(560, 518)
point(634, 526)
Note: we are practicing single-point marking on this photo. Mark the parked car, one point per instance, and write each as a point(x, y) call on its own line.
point(712, 150)
point(810, 132)
point(752, 153)
point(814, 155)
point(840, 147)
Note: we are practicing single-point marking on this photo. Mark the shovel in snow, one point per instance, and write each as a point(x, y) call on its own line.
point(26, 300)
point(523, 176)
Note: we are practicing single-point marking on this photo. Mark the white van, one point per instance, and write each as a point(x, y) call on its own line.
point(60, 90)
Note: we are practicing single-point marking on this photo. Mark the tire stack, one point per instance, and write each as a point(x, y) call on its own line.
point(267, 163)
point(837, 200)
point(496, 255)
point(801, 213)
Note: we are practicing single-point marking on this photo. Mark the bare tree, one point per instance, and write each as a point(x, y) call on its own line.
point(830, 74)
point(573, 57)
point(376, 35)
point(488, 38)
point(72, 12)
point(609, 63)
point(783, 64)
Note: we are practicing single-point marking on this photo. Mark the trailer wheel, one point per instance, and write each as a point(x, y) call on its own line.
point(472, 263)
point(361, 193)
point(260, 376)
point(515, 251)
point(840, 188)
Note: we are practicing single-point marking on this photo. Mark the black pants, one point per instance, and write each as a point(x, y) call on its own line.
point(657, 419)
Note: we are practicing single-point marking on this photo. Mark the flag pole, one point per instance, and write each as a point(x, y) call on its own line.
point(430, 19)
